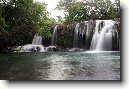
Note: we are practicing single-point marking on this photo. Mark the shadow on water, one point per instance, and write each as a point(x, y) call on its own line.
point(23, 66)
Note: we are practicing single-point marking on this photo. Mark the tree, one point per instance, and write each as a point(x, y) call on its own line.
point(89, 9)
point(2, 27)
point(59, 20)
point(24, 19)
point(73, 9)
point(102, 9)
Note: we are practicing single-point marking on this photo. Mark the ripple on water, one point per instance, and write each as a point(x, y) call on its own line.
point(60, 66)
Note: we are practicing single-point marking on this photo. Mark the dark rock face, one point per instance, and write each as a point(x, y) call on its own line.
point(91, 26)
point(116, 37)
point(117, 25)
point(60, 49)
point(65, 36)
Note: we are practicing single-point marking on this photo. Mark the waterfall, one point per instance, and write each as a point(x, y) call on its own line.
point(95, 36)
point(76, 36)
point(54, 37)
point(103, 34)
point(35, 46)
point(37, 40)
point(87, 30)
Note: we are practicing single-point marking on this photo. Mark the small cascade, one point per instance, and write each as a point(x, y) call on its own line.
point(95, 36)
point(37, 40)
point(99, 35)
point(87, 30)
point(76, 35)
point(82, 32)
point(102, 38)
point(54, 37)
point(36, 45)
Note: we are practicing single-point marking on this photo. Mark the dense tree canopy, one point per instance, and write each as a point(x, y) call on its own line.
point(89, 9)
point(20, 20)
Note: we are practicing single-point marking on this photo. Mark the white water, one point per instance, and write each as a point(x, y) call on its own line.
point(54, 37)
point(36, 45)
point(102, 38)
point(33, 48)
point(76, 36)
point(95, 36)
point(87, 31)
point(37, 40)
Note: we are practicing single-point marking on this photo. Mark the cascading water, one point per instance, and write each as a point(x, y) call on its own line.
point(76, 36)
point(87, 25)
point(118, 40)
point(102, 38)
point(36, 45)
point(95, 36)
point(54, 37)
point(37, 40)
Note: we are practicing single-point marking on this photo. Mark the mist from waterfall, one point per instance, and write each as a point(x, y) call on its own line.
point(103, 34)
point(54, 37)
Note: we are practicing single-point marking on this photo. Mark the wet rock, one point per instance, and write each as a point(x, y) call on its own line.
point(52, 48)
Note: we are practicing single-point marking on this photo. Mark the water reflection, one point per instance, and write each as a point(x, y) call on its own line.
point(60, 66)
point(56, 71)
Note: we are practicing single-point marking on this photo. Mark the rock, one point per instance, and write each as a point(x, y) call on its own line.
point(51, 48)
point(29, 48)
point(75, 49)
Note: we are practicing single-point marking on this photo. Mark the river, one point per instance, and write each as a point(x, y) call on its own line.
point(60, 66)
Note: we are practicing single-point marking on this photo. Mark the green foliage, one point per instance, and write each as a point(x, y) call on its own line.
point(76, 12)
point(2, 21)
point(65, 38)
point(89, 9)
point(59, 20)
point(20, 20)
point(73, 10)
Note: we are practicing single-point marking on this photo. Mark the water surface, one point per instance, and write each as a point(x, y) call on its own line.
point(60, 66)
